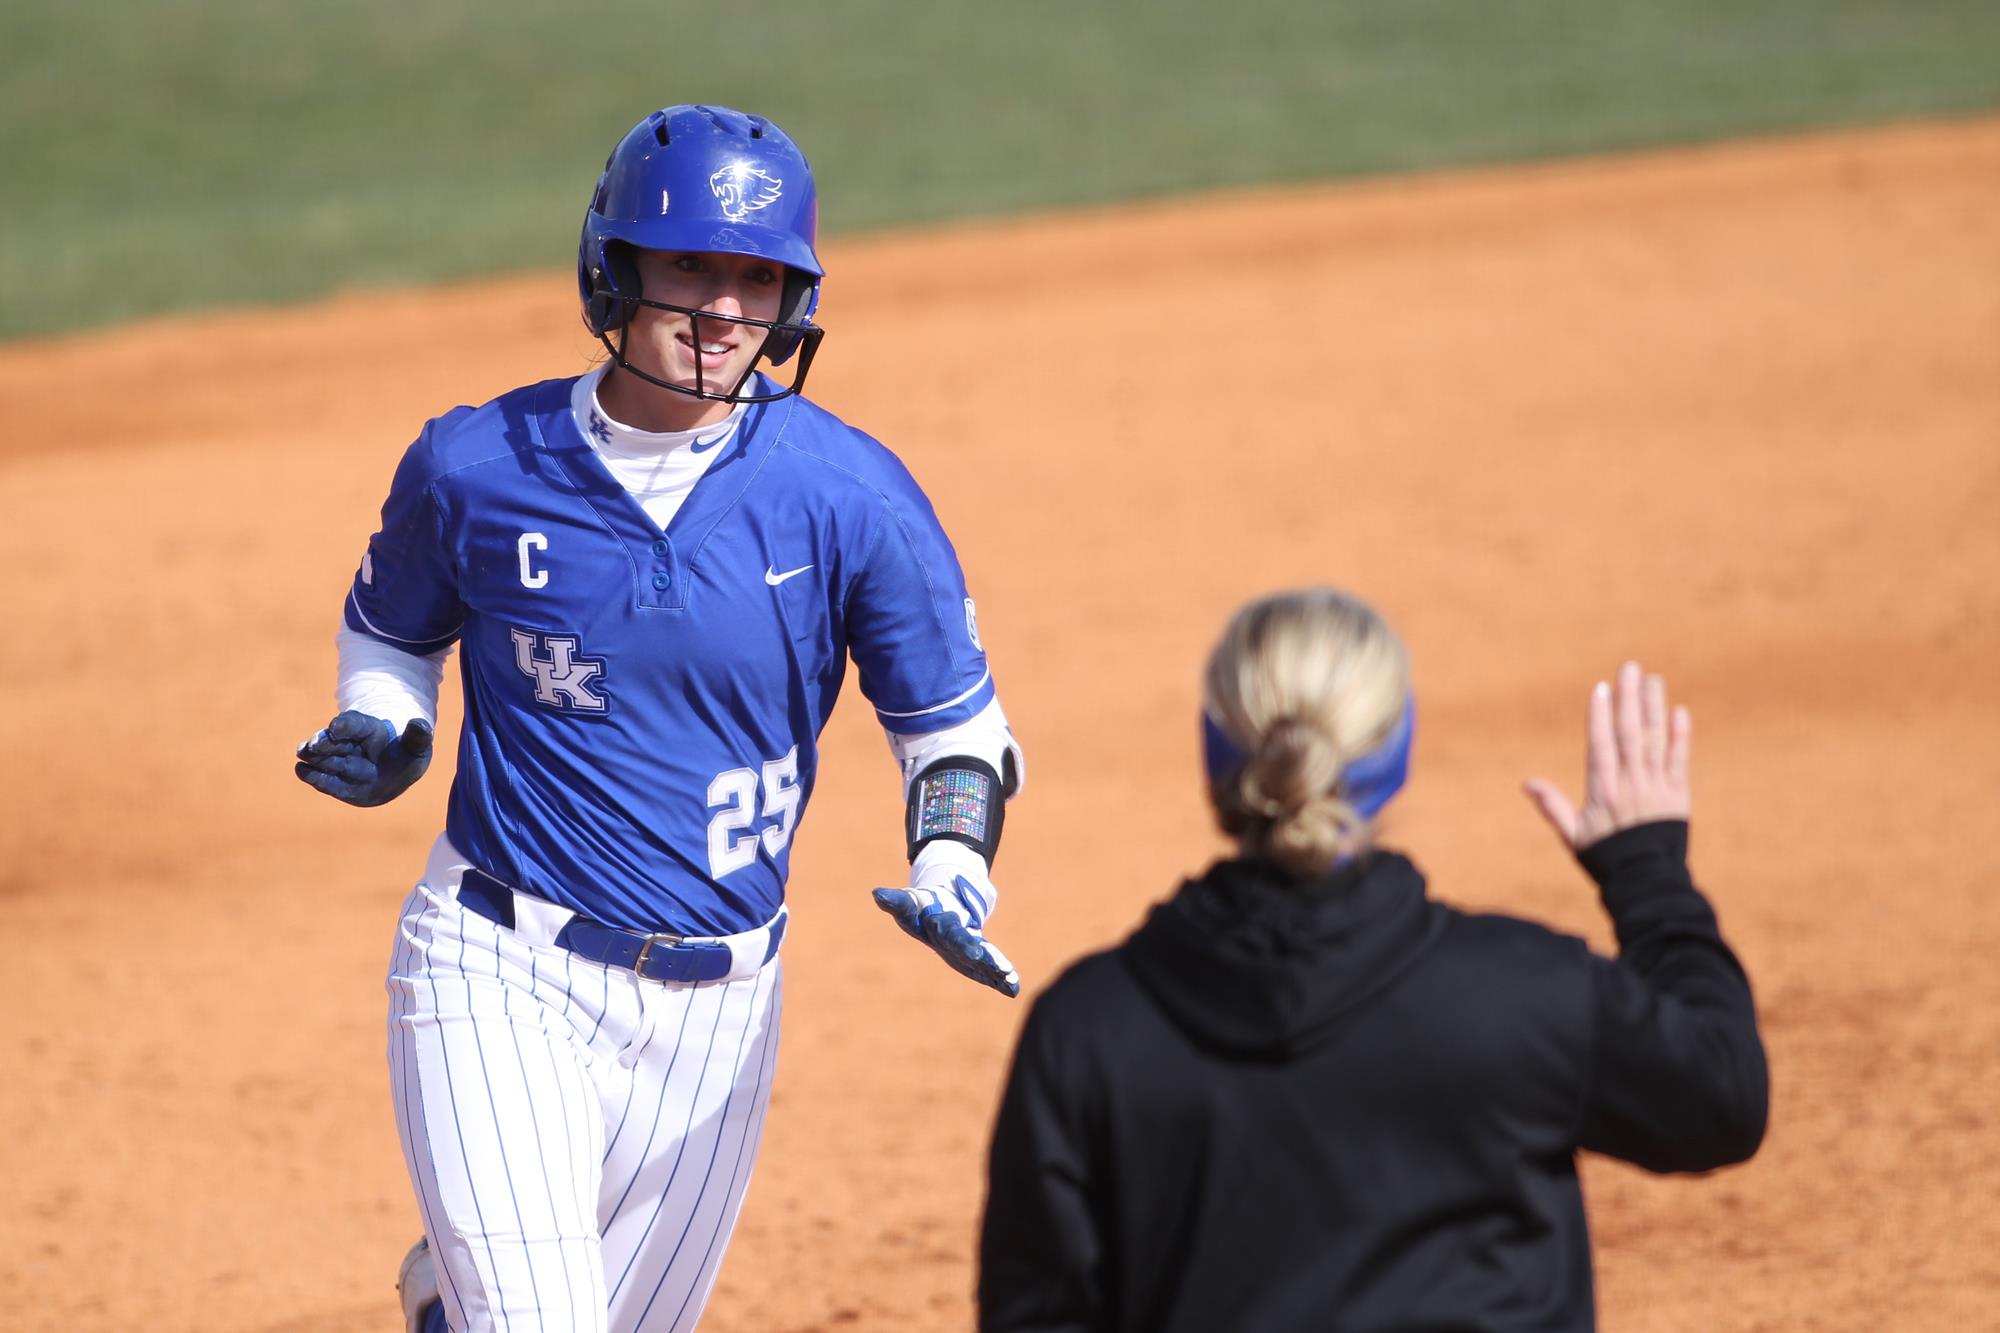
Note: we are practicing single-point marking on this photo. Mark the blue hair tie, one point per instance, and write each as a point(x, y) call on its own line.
point(1367, 782)
point(1219, 753)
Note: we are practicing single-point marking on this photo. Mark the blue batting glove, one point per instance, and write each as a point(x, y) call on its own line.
point(361, 760)
point(948, 921)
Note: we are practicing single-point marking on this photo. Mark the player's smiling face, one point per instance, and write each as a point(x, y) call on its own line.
point(674, 346)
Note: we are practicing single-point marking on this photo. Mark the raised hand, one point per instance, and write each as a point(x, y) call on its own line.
point(361, 760)
point(1635, 763)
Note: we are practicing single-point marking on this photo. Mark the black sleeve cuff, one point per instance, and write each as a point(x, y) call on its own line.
point(1642, 851)
point(1642, 877)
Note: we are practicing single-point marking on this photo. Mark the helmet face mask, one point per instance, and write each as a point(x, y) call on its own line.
point(703, 179)
point(801, 336)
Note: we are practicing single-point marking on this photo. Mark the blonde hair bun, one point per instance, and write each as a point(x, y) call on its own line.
point(1302, 682)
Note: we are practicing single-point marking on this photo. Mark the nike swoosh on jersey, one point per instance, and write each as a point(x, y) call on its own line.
point(774, 578)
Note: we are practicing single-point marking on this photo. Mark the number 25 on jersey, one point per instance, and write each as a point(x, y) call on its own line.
point(732, 842)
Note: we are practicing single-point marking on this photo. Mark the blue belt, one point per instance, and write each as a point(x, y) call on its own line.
point(654, 957)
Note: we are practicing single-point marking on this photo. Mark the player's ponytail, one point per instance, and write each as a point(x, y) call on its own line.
point(1301, 687)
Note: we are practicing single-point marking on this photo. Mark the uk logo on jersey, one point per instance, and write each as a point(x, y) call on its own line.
point(561, 677)
point(742, 189)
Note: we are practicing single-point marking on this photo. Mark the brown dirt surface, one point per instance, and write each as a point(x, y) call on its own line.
point(1733, 411)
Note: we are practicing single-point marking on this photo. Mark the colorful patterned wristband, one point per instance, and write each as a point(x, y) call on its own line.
point(957, 798)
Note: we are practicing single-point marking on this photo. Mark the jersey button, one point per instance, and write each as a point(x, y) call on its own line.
point(660, 547)
point(660, 580)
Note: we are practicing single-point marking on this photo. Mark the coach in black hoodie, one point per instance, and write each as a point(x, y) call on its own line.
point(1303, 1096)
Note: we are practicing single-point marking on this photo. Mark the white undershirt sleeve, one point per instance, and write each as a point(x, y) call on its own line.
point(387, 682)
point(984, 736)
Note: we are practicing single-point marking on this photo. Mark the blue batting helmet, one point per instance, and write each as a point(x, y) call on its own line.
point(702, 179)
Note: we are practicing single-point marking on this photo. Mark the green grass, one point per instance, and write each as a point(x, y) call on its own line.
point(166, 154)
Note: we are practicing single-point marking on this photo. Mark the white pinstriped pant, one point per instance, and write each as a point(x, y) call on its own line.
point(580, 1139)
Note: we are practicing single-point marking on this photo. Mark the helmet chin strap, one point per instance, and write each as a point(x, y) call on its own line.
point(808, 334)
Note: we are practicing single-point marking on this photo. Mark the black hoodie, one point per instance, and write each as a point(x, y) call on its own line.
point(1342, 1106)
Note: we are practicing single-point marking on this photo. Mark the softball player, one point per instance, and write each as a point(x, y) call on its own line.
point(656, 573)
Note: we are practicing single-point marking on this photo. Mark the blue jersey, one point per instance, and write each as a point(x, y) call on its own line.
point(642, 708)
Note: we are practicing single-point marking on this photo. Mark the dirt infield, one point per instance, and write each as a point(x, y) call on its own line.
point(1734, 411)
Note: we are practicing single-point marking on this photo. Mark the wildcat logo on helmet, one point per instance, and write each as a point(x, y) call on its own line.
point(742, 190)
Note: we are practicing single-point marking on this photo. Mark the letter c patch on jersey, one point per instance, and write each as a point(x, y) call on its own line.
point(530, 576)
point(561, 677)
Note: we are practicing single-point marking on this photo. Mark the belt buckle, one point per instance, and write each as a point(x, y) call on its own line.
point(646, 949)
